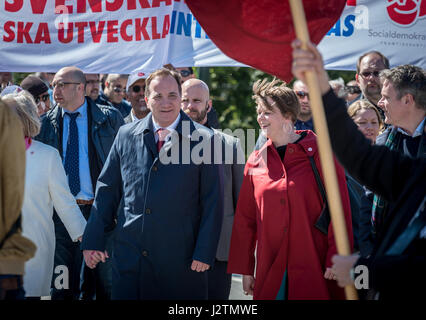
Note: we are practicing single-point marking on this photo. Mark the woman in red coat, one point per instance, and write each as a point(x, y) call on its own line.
point(278, 207)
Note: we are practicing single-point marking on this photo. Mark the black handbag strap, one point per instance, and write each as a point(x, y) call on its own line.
point(16, 226)
point(323, 221)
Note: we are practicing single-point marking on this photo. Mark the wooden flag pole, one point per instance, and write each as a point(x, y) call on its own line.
point(324, 146)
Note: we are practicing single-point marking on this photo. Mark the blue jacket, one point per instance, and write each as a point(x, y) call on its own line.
point(124, 106)
point(103, 124)
point(172, 213)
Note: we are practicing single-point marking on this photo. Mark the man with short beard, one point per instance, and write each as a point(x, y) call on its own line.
point(196, 104)
point(136, 96)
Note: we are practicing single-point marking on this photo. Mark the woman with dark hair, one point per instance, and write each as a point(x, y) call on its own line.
point(282, 208)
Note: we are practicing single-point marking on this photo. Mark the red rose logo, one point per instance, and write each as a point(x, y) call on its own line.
point(406, 12)
point(141, 74)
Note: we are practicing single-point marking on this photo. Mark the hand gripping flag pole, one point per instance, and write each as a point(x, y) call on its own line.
point(324, 146)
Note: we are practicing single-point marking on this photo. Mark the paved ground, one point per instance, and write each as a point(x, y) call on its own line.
point(237, 289)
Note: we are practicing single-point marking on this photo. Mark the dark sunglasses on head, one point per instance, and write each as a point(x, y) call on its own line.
point(118, 89)
point(185, 73)
point(137, 88)
point(302, 94)
point(44, 97)
point(366, 74)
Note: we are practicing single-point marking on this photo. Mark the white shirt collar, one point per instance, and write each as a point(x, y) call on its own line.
point(171, 127)
point(81, 109)
point(132, 116)
point(417, 132)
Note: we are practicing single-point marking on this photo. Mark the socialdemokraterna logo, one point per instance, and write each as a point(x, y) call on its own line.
point(403, 13)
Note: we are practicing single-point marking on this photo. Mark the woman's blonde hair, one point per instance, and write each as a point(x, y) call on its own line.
point(364, 104)
point(25, 107)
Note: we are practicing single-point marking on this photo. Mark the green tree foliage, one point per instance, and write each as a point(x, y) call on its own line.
point(231, 92)
point(19, 76)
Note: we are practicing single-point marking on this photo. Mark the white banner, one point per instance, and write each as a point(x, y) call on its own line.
point(121, 36)
point(396, 28)
point(99, 36)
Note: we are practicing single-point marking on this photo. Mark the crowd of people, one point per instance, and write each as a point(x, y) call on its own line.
point(122, 187)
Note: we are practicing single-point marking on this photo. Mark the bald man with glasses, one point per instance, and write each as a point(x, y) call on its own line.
point(83, 133)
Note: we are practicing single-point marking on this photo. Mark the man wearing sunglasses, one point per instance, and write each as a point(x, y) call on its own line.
point(186, 73)
point(368, 68)
point(40, 92)
point(136, 96)
point(304, 120)
point(115, 92)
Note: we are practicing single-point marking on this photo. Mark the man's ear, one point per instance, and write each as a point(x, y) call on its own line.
point(146, 101)
point(408, 99)
point(356, 78)
point(209, 105)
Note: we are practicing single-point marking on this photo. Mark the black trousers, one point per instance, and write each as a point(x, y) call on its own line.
point(219, 282)
point(97, 283)
point(83, 283)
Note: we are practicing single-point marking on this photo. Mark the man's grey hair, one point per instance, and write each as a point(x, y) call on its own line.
point(407, 79)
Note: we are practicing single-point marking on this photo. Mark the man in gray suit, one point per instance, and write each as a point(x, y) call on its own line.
point(196, 103)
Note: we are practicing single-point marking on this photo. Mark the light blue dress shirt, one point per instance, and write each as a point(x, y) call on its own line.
point(86, 188)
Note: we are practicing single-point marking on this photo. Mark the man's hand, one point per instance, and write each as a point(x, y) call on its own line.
point(93, 257)
point(199, 266)
point(341, 268)
point(329, 275)
point(309, 60)
point(248, 285)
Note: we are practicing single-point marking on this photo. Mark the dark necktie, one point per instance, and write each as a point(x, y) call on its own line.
point(71, 156)
point(162, 133)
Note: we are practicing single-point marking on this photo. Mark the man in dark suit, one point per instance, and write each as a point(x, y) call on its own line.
point(196, 103)
point(171, 192)
point(83, 133)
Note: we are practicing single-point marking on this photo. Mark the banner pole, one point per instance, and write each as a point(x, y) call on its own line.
point(324, 146)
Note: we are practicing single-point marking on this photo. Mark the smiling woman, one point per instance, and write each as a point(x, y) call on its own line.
point(279, 207)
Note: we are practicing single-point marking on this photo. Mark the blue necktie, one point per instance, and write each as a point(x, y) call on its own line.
point(71, 156)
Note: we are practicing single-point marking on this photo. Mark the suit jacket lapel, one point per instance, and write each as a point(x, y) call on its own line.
point(145, 129)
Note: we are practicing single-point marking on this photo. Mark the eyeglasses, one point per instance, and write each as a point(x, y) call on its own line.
point(353, 89)
point(61, 85)
point(44, 97)
point(366, 74)
point(137, 88)
point(302, 94)
point(118, 89)
point(185, 73)
point(92, 81)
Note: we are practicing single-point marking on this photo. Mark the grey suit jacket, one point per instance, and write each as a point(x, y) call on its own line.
point(234, 160)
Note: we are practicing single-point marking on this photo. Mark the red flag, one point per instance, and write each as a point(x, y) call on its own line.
point(259, 33)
